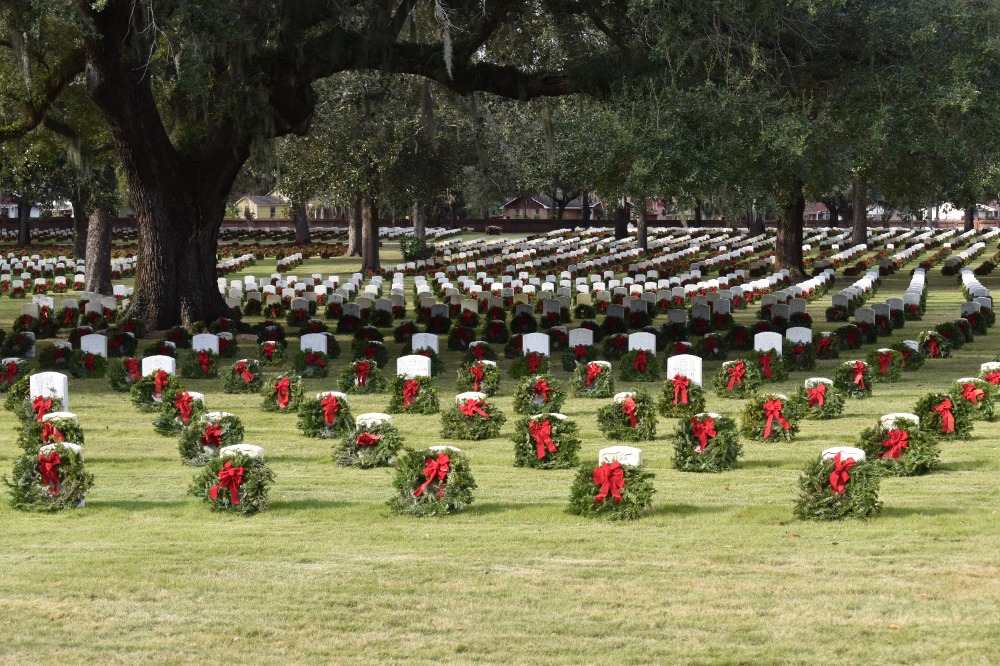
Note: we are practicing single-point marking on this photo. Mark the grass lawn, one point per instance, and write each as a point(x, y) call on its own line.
point(720, 571)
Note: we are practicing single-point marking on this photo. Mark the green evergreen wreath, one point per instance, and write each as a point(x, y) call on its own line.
point(85, 365)
point(820, 404)
point(17, 401)
point(372, 350)
point(546, 441)
point(210, 432)
point(122, 344)
point(538, 394)
point(919, 455)
point(437, 366)
point(639, 365)
point(368, 444)
point(425, 401)
point(531, 363)
point(456, 424)
point(771, 360)
point(405, 331)
point(849, 337)
point(13, 371)
point(36, 434)
point(712, 347)
point(432, 482)
point(798, 356)
point(912, 358)
point(601, 384)
point(951, 334)
point(124, 373)
point(313, 416)
point(311, 364)
point(489, 384)
point(271, 353)
point(251, 493)
point(890, 359)
point(169, 421)
point(636, 494)
point(30, 492)
point(293, 393)
point(244, 376)
point(676, 390)
point(980, 394)
point(616, 423)
point(738, 378)
point(817, 500)
point(933, 345)
point(826, 346)
point(846, 378)
point(202, 364)
point(756, 414)
point(161, 348)
point(479, 350)
point(720, 451)
point(143, 392)
point(932, 422)
point(350, 378)
point(578, 355)
point(459, 337)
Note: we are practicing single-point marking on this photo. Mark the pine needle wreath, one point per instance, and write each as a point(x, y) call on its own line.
point(912, 358)
point(372, 350)
point(578, 355)
point(17, 401)
point(706, 442)
point(251, 493)
point(13, 371)
point(911, 453)
point(171, 421)
point(615, 346)
point(980, 394)
point(437, 366)
point(636, 494)
point(180, 336)
point(271, 353)
point(798, 356)
point(712, 347)
point(738, 378)
point(594, 380)
point(771, 366)
point(270, 331)
point(738, 338)
point(16, 344)
point(244, 376)
point(680, 398)
point(496, 332)
point(849, 337)
point(424, 401)
point(405, 331)
point(532, 363)
point(432, 482)
point(770, 417)
point(368, 445)
point(513, 347)
point(538, 394)
point(314, 413)
point(951, 334)
point(200, 365)
point(886, 365)
point(854, 379)
point(826, 346)
point(479, 350)
point(347, 323)
point(460, 336)
point(352, 376)
point(455, 424)
point(933, 345)
point(616, 421)
point(36, 434)
point(817, 500)
point(122, 344)
point(85, 365)
point(228, 347)
point(522, 323)
point(160, 348)
point(144, 391)
point(639, 365)
point(935, 422)
point(201, 442)
point(51, 357)
point(29, 490)
point(124, 373)
point(488, 382)
point(311, 364)
point(546, 441)
point(283, 393)
point(820, 404)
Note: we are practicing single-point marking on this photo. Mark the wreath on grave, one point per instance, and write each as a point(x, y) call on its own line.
point(472, 419)
point(592, 326)
point(311, 364)
point(631, 419)
point(615, 346)
point(381, 318)
point(222, 325)
point(160, 348)
point(202, 364)
point(35, 434)
point(405, 331)
point(849, 337)
point(820, 401)
point(681, 398)
point(578, 355)
point(13, 371)
point(837, 488)
point(946, 416)
point(903, 450)
point(201, 442)
point(333, 310)
point(532, 363)
point(546, 441)
point(124, 374)
point(180, 336)
point(16, 344)
point(706, 443)
point(413, 396)
point(496, 331)
point(612, 491)
point(977, 323)
point(559, 338)
point(77, 333)
point(538, 394)
point(638, 319)
point(712, 347)
point(468, 318)
point(252, 308)
point(639, 365)
point(738, 338)
point(613, 326)
point(934, 345)
point(512, 348)
point(348, 323)
point(771, 366)
point(770, 417)
point(244, 376)
point(50, 481)
point(854, 378)
point(479, 351)
point(736, 379)
point(827, 346)
point(122, 344)
point(314, 326)
point(432, 482)
point(52, 357)
point(368, 445)
point(887, 364)
point(295, 318)
point(438, 324)
point(478, 376)
point(271, 353)
point(593, 380)
point(177, 413)
point(798, 355)
point(460, 337)
point(273, 310)
point(584, 311)
point(965, 330)
point(17, 400)
point(284, 394)
point(950, 333)
point(68, 317)
point(981, 394)
point(912, 358)
point(149, 392)
point(992, 377)
point(437, 367)
point(236, 483)
point(362, 377)
point(373, 351)
point(325, 417)
point(522, 323)
point(699, 326)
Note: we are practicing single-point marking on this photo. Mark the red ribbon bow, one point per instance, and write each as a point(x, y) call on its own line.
point(897, 441)
point(628, 409)
point(932, 347)
point(369, 351)
point(534, 360)
point(229, 477)
point(473, 406)
point(411, 387)
point(993, 377)
point(681, 384)
point(640, 361)
point(839, 477)
point(269, 348)
point(242, 370)
point(212, 435)
point(680, 348)
point(48, 466)
point(823, 344)
point(204, 360)
point(477, 352)
point(736, 372)
point(541, 432)
point(772, 409)
point(859, 374)
point(435, 469)
point(88, 362)
point(49, 431)
point(313, 358)
point(765, 365)
point(972, 393)
point(477, 373)
point(131, 366)
point(611, 479)
point(361, 370)
point(580, 352)
point(160, 381)
point(330, 408)
point(41, 406)
point(703, 431)
point(542, 388)
point(281, 391)
point(11, 371)
point(816, 395)
point(593, 369)
point(947, 418)
point(368, 439)
point(884, 359)
point(183, 403)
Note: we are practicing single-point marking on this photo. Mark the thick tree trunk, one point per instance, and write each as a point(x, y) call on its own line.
point(23, 222)
point(788, 245)
point(354, 229)
point(419, 221)
point(80, 225)
point(369, 237)
point(453, 213)
point(755, 222)
point(99, 253)
point(970, 218)
point(621, 220)
point(859, 235)
point(301, 225)
point(834, 209)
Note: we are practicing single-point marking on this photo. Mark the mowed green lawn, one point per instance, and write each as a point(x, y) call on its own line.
point(719, 571)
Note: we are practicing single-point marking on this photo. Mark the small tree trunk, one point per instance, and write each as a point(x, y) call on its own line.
point(23, 222)
point(859, 235)
point(419, 221)
point(301, 225)
point(788, 244)
point(621, 220)
point(354, 229)
point(697, 213)
point(755, 222)
point(585, 211)
point(80, 225)
point(641, 235)
point(453, 213)
point(970, 218)
point(369, 237)
point(98, 253)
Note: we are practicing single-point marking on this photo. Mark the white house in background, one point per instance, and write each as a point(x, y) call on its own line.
point(949, 212)
point(8, 208)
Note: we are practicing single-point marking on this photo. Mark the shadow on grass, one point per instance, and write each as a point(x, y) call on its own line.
point(300, 504)
point(684, 509)
point(965, 466)
point(764, 464)
point(497, 507)
point(139, 505)
point(907, 512)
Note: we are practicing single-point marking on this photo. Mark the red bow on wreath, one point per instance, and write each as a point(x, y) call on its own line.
point(435, 469)
point(947, 418)
point(972, 393)
point(477, 352)
point(772, 409)
point(580, 352)
point(229, 477)
point(410, 389)
point(628, 409)
point(711, 346)
point(205, 361)
point(368, 439)
point(49, 431)
point(534, 360)
point(41, 406)
point(681, 384)
point(472, 407)
point(11, 371)
point(680, 348)
point(798, 350)
point(839, 476)
point(281, 392)
point(131, 366)
point(243, 371)
point(765, 365)
point(736, 373)
point(183, 403)
point(541, 432)
point(611, 479)
point(330, 406)
point(477, 373)
point(993, 377)
point(932, 348)
point(268, 349)
point(640, 361)
point(160, 381)
point(884, 360)
point(703, 431)
point(823, 345)
point(212, 436)
point(361, 370)
point(369, 351)
point(593, 369)
point(48, 466)
point(816, 395)
point(859, 374)
point(897, 441)
point(542, 388)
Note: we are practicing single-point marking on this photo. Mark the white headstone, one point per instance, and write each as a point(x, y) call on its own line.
point(413, 365)
point(767, 341)
point(642, 340)
point(799, 334)
point(535, 342)
point(626, 455)
point(371, 419)
point(205, 342)
point(845, 453)
point(151, 364)
point(888, 421)
point(94, 344)
point(425, 341)
point(581, 336)
point(685, 364)
point(50, 385)
point(313, 342)
point(248, 450)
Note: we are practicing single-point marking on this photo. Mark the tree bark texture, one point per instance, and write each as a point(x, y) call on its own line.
point(621, 220)
point(641, 233)
point(81, 223)
point(859, 235)
point(369, 237)
point(788, 245)
point(970, 218)
point(23, 222)
point(698, 219)
point(419, 221)
point(354, 229)
point(99, 252)
point(755, 222)
point(302, 236)
point(585, 210)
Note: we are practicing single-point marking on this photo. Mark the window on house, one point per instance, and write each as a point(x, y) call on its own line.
point(274, 212)
point(538, 213)
point(517, 212)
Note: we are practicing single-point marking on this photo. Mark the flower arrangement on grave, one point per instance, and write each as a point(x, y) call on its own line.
point(16, 344)
point(681, 398)
point(771, 366)
point(594, 380)
point(177, 413)
point(630, 417)
point(854, 378)
point(405, 331)
point(612, 491)
point(370, 443)
point(36, 434)
point(14, 370)
point(415, 395)
point(578, 355)
point(770, 417)
point(950, 333)
point(244, 376)
point(432, 482)
point(538, 394)
point(472, 418)
point(209, 433)
point(934, 345)
point(838, 488)
point(849, 337)
point(283, 394)
point(180, 336)
point(820, 401)
point(946, 416)
point(706, 442)
point(271, 353)
point(203, 364)
point(736, 379)
point(236, 483)
point(639, 365)
point(546, 441)
point(159, 348)
point(326, 416)
point(496, 331)
point(149, 392)
point(615, 346)
point(460, 337)
point(532, 363)
point(798, 355)
point(739, 338)
point(124, 373)
point(886, 363)
point(980, 394)
point(312, 363)
point(901, 450)
point(52, 478)
point(362, 377)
